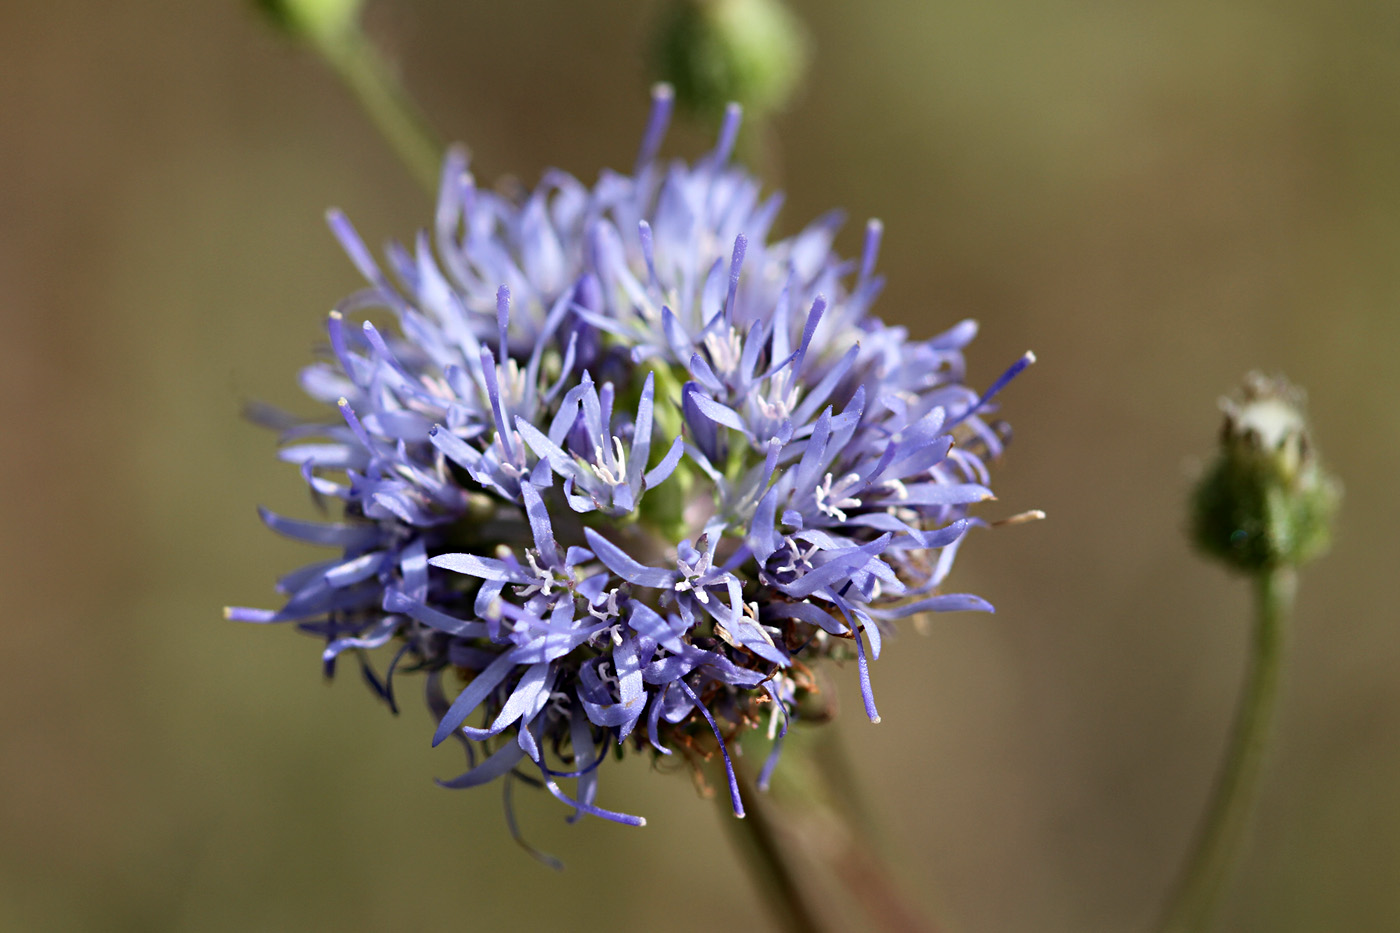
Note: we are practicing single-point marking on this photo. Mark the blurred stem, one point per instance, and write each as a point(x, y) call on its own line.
point(757, 837)
point(807, 817)
point(1203, 879)
point(369, 77)
point(866, 875)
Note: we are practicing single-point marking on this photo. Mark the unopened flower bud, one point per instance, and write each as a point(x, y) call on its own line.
point(1266, 501)
point(714, 52)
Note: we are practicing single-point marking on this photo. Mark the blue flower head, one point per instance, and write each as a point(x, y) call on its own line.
point(626, 468)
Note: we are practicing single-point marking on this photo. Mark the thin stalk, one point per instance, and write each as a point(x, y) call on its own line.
point(867, 878)
point(1203, 878)
point(808, 827)
point(370, 78)
point(757, 837)
point(855, 858)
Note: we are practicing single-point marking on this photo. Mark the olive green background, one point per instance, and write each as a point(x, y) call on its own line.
point(1154, 197)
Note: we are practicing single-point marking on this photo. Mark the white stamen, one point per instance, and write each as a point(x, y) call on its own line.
point(600, 466)
point(726, 351)
point(609, 610)
point(833, 502)
point(900, 490)
point(797, 555)
point(559, 704)
point(509, 467)
point(783, 394)
point(548, 578)
point(512, 382)
point(692, 572)
point(606, 675)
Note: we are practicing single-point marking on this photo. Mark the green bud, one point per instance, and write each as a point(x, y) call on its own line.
point(1266, 502)
point(314, 20)
point(717, 51)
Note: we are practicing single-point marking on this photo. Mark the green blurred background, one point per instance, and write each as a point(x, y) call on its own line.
point(1154, 197)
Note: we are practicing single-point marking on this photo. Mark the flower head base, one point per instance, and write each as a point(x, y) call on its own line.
point(627, 468)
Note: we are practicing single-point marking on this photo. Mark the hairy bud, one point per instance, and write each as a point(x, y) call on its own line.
point(1266, 501)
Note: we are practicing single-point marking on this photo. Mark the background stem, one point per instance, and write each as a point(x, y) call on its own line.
point(1232, 803)
point(757, 837)
point(364, 71)
point(810, 828)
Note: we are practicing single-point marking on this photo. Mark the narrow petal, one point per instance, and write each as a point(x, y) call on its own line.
point(500, 763)
point(723, 749)
point(471, 697)
point(487, 568)
point(620, 563)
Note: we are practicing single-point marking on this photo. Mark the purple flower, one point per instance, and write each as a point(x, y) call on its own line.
point(625, 468)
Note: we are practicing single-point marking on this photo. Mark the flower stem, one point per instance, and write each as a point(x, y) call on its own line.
point(863, 871)
point(1203, 878)
point(757, 837)
point(807, 827)
point(369, 77)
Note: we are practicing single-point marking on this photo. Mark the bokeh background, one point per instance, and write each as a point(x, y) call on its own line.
point(1154, 197)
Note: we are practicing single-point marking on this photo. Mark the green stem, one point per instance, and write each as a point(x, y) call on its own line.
point(809, 819)
point(856, 860)
point(1203, 878)
point(369, 77)
point(757, 837)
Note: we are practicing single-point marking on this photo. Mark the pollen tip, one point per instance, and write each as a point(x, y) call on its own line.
point(336, 315)
point(875, 720)
point(1029, 357)
point(1020, 518)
